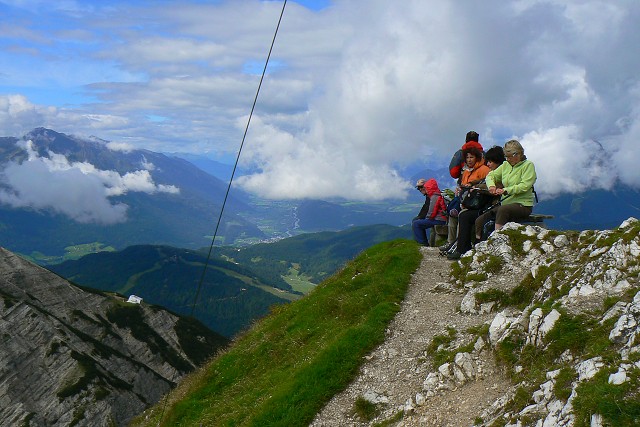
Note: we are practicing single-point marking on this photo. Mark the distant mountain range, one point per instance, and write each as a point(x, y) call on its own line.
point(47, 193)
point(62, 197)
point(591, 210)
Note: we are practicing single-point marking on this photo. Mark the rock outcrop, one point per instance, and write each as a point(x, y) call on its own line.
point(580, 319)
point(534, 327)
point(72, 356)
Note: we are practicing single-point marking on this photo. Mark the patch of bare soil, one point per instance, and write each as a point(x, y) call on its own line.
point(394, 372)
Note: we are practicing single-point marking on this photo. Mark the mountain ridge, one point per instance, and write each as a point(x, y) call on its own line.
point(72, 356)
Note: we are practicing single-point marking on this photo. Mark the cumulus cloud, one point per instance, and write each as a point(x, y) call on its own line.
point(119, 146)
point(359, 89)
point(408, 88)
point(78, 190)
point(18, 115)
point(565, 163)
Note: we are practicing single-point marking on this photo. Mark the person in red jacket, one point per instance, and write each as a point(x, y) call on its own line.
point(433, 211)
point(457, 161)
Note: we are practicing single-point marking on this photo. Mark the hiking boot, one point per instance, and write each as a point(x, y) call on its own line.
point(446, 247)
point(454, 255)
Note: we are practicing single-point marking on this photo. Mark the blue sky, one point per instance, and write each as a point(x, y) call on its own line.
point(355, 88)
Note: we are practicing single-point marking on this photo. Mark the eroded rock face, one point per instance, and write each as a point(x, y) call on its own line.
point(69, 356)
point(596, 266)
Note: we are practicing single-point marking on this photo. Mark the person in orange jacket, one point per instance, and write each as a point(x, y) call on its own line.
point(473, 174)
point(457, 161)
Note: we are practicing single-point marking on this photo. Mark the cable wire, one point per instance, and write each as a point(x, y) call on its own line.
point(255, 100)
point(233, 172)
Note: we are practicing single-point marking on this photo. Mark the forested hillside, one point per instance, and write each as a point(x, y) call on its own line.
point(231, 296)
point(240, 284)
point(315, 256)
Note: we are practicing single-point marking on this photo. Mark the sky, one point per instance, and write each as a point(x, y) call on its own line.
point(355, 90)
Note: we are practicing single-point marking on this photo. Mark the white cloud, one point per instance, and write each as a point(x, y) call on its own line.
point(120, 146)
point(359, 88)
point(147, 165)
point(565, 163)
point(76, 189)
point(18, 115)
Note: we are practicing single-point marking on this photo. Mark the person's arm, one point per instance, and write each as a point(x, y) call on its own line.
point(493, 178)
point(527, 179)
point(424, 210)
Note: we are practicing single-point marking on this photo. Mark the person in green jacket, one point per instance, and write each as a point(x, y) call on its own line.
point(513, 181)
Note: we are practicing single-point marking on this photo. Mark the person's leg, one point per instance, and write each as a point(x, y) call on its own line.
point(482, 220)
point(429, 226)
point(511, 212)
point(453, 229)
point(419, 228)
point(465, 226)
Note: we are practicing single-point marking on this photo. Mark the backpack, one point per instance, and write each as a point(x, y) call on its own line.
point(453, 207)
point(475, 198)
point(455, 166)
point(441, 207)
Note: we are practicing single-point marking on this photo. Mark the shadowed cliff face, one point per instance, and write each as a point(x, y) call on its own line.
point(73, 357)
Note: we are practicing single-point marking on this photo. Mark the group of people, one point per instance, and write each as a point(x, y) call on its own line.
point(493, 186)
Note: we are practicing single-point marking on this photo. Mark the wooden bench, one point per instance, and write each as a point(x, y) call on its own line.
point(536, 219)
point(533, 219)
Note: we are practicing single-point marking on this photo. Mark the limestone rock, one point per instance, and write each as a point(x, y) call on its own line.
point(72, 356)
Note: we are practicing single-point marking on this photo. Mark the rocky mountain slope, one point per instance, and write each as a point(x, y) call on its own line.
point(532, 328)
point(74, 357)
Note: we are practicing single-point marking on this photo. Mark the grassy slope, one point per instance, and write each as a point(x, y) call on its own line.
point(283, 371)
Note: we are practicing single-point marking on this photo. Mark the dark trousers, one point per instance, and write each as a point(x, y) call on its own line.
point(503, 214)
point(420, 227)
point(466, 221)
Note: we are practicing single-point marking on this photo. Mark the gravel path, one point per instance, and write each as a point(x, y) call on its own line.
point(394, 372)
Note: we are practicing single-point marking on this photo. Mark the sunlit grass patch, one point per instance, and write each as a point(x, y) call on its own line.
point(285, 368)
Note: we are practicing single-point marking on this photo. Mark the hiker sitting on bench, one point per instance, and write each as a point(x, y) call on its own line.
point(513, 181)
point(432, 213)
point(516, 176)
point(474, 172)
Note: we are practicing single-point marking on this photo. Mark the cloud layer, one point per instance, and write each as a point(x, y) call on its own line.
point(354, 91)
point(78, 190)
